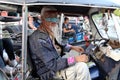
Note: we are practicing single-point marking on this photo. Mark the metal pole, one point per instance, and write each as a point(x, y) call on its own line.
point(24, 41)
point(60, 26)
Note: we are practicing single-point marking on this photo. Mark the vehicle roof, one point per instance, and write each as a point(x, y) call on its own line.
point(75, 10)
point(106, 3)
point(77, 6)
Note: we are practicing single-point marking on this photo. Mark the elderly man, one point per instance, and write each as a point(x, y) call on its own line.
point(45, 57)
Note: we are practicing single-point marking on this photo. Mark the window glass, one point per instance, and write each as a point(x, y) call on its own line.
point(105, 24)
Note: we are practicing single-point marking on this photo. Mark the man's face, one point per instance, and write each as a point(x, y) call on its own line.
point(30, 18)
point(52, 20)
point(67, 21)
point(53, 24)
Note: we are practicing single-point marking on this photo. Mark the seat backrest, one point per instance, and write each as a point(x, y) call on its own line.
point(14, 29)
point(30, 62)
point(29, 58)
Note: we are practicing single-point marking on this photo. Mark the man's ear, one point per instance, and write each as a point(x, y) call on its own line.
point(42, 18)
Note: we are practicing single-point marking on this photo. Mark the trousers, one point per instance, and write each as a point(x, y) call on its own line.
point(79, 71)
point(6, 44)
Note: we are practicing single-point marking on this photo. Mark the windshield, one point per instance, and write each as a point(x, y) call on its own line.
point(106, 25)
point(118, 19)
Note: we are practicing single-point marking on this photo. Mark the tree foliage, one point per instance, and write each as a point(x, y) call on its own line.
point(117, 12)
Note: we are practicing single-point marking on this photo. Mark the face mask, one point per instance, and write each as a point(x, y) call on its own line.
point(55, 20)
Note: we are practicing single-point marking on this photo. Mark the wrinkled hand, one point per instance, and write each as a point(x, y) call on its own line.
point(82, 58)
point(77, 48)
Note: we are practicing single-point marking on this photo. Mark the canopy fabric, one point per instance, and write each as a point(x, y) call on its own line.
point(12, 1)
point(83, 2)
point(107, 3)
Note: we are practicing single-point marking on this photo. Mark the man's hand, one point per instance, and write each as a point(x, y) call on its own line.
point(82, 58)
point(77, 48)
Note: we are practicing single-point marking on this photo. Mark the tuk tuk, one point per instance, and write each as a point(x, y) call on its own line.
point(101, 42)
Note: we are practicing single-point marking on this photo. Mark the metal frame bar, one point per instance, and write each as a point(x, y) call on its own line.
point(24, 41)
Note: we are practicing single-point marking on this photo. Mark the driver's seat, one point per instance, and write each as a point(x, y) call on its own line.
point(31, 68)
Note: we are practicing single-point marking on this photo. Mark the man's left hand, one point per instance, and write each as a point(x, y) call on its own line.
point(77, 48)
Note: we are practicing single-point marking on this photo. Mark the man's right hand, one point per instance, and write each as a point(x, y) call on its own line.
point(81, 58)
point(72, 30)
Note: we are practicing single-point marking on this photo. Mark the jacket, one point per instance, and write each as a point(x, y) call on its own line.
point(44, 55)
